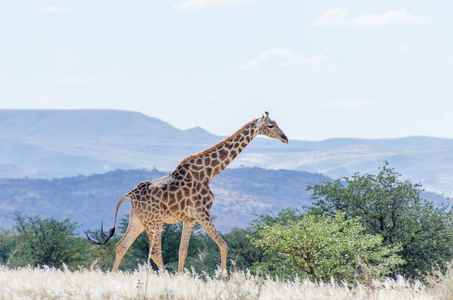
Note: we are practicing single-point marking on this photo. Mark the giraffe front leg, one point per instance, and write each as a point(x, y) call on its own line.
point(207, 224)
point(155, 244)
point(185, 237)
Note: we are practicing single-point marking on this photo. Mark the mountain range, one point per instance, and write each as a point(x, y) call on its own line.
point(59, 143)
point(241, 195)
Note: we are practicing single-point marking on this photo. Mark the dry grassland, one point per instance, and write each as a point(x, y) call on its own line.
point(45, 283)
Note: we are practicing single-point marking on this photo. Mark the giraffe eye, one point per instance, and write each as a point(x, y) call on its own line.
point(270, 126)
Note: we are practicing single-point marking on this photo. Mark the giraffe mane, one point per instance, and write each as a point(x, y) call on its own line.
point(219, 144)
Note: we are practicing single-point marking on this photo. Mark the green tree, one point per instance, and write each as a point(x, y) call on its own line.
point(393, 209)
point(321, 247)
point(272, 263)
point(48, 242)
point(7, 245)
point(242, 253)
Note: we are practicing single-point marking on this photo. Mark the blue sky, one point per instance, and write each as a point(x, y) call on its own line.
point(323, 69)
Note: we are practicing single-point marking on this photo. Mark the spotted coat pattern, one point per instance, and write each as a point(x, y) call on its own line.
point(184, 195)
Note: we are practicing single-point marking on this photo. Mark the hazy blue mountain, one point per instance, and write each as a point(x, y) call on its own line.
point(240, 195)
point(419, 159)
point(58, 143)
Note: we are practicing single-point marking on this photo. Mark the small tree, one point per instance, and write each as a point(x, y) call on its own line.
point(322, 247)
point(393, 209)
point(240, 250)
point(48, 242)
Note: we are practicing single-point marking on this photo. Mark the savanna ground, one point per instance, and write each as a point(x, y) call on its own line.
point(49, 283)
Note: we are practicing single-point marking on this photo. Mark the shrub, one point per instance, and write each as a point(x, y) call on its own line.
point(321, 247)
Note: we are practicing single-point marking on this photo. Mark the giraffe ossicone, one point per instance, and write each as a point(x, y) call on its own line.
point(184, 195)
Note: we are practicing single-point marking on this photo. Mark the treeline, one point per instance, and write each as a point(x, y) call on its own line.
point(362, 227)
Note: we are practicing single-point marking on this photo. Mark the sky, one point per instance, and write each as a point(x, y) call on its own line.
point(322, 69)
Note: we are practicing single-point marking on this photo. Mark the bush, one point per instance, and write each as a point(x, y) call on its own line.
point(39, 242)
point(321, 247)
point(7, 245)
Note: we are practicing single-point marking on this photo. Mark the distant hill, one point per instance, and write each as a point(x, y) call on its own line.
point(57, 143)
point(60, 143)
point(240, 195)
point(420, 159)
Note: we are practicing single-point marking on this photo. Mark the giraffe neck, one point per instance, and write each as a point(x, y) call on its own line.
point(210, 162)
point(217, 160)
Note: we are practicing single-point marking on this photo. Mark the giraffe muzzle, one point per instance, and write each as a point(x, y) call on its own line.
point(284, 139)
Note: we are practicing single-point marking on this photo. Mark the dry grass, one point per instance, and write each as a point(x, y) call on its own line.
point(440, 280)
point(45, 283)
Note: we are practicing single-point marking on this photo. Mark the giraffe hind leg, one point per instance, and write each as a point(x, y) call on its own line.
point(154, 232)
point(134, 229)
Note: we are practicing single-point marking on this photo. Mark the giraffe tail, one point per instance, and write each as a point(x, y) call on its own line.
point(103, 238)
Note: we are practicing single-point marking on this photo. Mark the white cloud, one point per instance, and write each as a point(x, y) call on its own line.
point(160, 83)
point(42, 99)
point(285, 58)
point(334, 16)
point(74, 80)
point(214, 98)
point(54, 10)
point(357, 102)
point(199, 5)
point(340, 18)
point(403, 48)
point(164, 80)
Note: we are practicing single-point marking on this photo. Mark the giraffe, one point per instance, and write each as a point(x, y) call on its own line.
point(184, 195)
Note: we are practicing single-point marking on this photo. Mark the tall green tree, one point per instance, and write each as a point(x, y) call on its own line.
point(395, 210)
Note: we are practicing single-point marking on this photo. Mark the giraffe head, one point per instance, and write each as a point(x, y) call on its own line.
point(270, 128)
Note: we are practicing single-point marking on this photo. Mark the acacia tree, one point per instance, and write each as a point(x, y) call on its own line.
point(243, 254)
point(393, 209)
point(322, 247)
point(47, 242)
